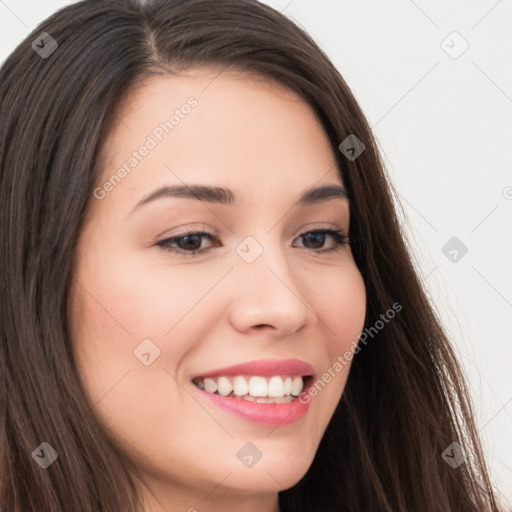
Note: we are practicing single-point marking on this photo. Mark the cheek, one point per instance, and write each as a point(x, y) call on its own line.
point(112, 310)
point(341, 306)
point(341, 310)
point(120, 302)
point(125, 300)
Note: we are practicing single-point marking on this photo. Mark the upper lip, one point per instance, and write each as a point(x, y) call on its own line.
point(264, 367)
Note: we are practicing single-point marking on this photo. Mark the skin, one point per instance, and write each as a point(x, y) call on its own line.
point(213, 309)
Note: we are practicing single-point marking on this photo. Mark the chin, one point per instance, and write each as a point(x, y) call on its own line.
point(272, 473)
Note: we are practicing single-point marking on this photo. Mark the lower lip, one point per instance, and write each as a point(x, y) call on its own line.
point(267, 414)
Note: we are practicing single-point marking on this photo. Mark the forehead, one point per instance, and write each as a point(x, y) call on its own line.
point(204, 127)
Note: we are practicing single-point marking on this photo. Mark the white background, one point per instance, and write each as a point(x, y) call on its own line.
point(444, 126)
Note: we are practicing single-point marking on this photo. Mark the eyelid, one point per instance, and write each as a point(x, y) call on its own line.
point(191, 229)
point(187, 229)
point(338, 234)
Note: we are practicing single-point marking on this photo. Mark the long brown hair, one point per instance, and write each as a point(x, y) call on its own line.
point(405, 401)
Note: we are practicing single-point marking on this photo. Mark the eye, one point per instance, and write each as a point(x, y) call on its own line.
point(188, 243)
point(317, 237)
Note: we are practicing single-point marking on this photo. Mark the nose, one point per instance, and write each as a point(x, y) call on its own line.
point(269, 295)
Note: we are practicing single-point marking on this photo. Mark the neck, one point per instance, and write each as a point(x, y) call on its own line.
point(163, 498)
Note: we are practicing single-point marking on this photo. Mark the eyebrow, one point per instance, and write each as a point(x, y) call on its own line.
point(225, 196)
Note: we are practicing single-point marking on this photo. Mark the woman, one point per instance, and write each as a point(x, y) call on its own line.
point(209, 303)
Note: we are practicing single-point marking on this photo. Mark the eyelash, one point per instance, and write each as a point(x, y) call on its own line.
point(338, 235)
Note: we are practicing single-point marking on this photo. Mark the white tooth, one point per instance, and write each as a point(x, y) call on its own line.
point(258, 386)
point(249, 398)
point(210, 385)
point(275, 387)
point(225, 386)
point(265, 400)
point(200, 384)
point(283, 399)
point(297, 386)
point(287, 386)
point(240, 386)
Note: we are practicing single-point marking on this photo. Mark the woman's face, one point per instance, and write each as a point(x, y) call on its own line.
point(147, 317)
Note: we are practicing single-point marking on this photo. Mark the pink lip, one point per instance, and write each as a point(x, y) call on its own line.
point(268, 414)
point(264, 367)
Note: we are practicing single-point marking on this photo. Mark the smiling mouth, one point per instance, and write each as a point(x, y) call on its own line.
point(278, 389)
